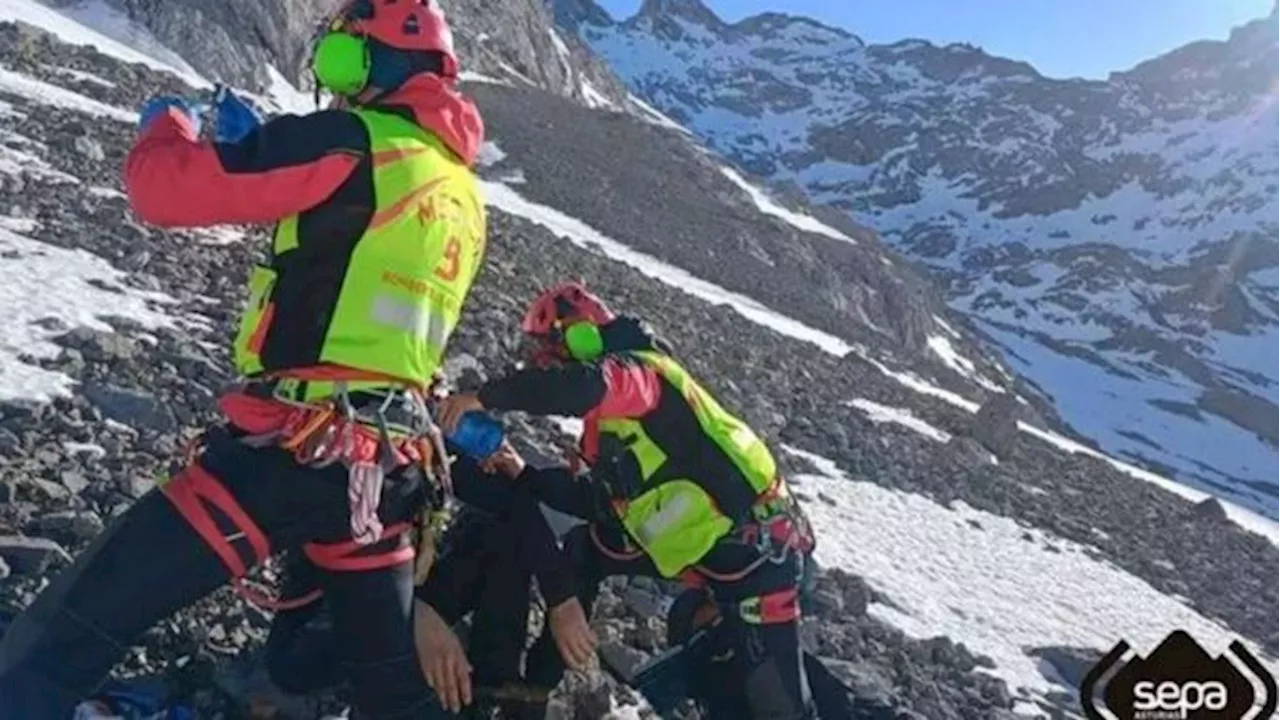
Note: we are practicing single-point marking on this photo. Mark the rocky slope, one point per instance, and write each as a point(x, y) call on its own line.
point(68, 466)
point(252, 45)
point(839, 279)
point(1116, 239)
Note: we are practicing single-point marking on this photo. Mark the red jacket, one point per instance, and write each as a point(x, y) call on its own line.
point(289, 165)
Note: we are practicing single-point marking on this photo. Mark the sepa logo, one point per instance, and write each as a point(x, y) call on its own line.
point(1178, 681)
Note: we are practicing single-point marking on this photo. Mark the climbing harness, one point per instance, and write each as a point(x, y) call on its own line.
point(320, 435)
point(392, 429)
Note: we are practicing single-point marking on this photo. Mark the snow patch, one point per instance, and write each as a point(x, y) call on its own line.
point(507, 68)
point(878, 413)
point(105, 192)
point(16, 162)
point(286, 96)
point(80, 75)
point(18, 225)
point(946, 327)
point(475, 77)
point(952, 358)
point(562, 54)
point(44, 93)
point(41, 286)
point(490, 154)
point(218, 235)
point(97, 24)
point(768, 206)
point(986, 581)
point(595, 99)
point(913, 382)
point(656, 116)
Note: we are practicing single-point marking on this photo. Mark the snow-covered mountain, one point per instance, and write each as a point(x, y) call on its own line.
point(1116, 239)
point(987, 557)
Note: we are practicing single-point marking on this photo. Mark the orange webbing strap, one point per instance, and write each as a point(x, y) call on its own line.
point(293, 442)
point(344, 557)
point(193, 492)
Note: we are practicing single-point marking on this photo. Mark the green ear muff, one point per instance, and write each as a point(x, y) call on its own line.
point(584, 341)
point(341, 63)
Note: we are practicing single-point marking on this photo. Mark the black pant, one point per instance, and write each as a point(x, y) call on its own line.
point(478, 570)
point(150, 563)
point(767, 661)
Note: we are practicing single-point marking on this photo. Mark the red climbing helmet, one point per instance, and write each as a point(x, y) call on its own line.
point(555, 310)
point(414, 25)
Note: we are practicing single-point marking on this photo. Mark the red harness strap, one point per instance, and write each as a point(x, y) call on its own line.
point(261, 598)
point(773, 608)
point(351, 556)
point(194, 491)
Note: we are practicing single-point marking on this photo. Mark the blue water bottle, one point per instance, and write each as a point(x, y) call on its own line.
point(478, 434)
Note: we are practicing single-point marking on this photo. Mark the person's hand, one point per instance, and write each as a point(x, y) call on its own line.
point(235, 117)
point(452, 408)
point(159, 105)
point(506, 461)
point(441, 657)
point(573, 635)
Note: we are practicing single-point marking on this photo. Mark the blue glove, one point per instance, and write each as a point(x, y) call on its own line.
point(235, 117)
point(156, 106)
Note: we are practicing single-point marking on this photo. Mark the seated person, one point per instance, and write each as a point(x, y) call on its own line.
point(497, 542)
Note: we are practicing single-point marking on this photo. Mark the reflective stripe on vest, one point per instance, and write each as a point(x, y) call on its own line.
point(404, 284)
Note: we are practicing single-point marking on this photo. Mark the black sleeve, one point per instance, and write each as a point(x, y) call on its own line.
point(574, 389)
point(492, 493)
point(560, 490)
point(287, 141)
point(512, 518)
point(539, 551)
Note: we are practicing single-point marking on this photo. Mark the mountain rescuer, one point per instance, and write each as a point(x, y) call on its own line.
point(678, 487)
point(328, 447)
